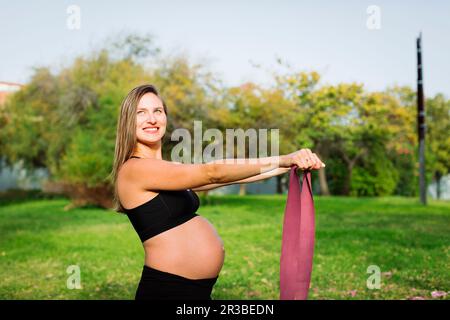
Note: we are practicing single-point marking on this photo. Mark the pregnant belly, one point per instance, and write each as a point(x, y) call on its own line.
point(193, 250)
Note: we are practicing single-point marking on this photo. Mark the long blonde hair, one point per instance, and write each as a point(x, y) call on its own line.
point(126, 133)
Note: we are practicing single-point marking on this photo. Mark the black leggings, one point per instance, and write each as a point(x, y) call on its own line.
point(160, 285)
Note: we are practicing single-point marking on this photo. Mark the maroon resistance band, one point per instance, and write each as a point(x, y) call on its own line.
point(297, 247)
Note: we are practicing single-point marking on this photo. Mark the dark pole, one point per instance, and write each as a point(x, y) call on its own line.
point(421, 122)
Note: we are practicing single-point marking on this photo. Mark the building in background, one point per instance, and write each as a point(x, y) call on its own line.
point(7, 88)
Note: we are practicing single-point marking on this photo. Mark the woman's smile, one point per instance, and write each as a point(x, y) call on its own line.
point(152, 130)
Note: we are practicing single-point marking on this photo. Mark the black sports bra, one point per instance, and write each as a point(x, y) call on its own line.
point(163, 212)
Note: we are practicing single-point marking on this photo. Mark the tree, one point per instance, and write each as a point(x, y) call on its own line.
point(66, 121)
point(299, 88)
point(251, 106)
point(437, 137)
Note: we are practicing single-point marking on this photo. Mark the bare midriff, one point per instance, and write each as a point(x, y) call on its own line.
point(192, 250)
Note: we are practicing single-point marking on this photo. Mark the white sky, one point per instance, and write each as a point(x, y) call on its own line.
point(330, 37)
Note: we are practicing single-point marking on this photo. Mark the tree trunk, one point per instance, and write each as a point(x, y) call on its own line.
point(324, 191)
point(350, 164)
point(348, 180)
point(279, 184)
point(242, 189)
point(438, 176)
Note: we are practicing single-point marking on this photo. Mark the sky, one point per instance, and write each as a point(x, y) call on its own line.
point(345, 41)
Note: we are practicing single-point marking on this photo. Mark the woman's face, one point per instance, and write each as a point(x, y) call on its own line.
point(150, 113)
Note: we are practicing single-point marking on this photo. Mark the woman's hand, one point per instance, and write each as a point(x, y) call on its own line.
point(304, 159)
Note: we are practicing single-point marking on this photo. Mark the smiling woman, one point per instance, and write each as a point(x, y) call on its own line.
point(183, 252)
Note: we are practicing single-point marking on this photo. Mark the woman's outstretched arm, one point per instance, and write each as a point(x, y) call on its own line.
point(259, 177)
point(157, 174)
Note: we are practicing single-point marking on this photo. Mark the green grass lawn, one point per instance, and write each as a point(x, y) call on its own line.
point(408, 242)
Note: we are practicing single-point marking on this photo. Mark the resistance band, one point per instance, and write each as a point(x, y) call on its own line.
point(297, 247)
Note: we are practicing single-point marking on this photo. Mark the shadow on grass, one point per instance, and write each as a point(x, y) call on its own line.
point(13, 196)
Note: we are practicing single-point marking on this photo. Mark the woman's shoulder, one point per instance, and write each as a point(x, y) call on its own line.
point(130, 166)
point(122, 173)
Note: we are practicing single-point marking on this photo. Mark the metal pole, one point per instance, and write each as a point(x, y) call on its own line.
point(421, 123)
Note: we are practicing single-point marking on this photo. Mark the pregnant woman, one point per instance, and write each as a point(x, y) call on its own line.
point(183, 252)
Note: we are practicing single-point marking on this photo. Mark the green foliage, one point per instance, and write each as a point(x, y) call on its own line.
point(336, 173)
point(189, 90)
point(378, 177)
point(437, 134)
point(375, 174)
point(408, 179)
point(66, 121)
point(29, 120)
point(87, 159)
